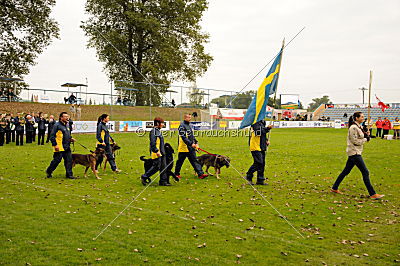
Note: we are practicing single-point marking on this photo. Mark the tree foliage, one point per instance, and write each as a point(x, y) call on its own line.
point(26, 29)
point(148, 40)
point(317, 102)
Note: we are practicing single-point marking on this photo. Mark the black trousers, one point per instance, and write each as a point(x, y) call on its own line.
point(385, 132)
point(57, 156)
point(12, 135)
point(34, 135)
point(2, 138)
point(159, 164)
point(29, 136)
point(378, 132)
point(41, 134)
point(19, 138)
point(191, 155)
point(257, 166)
point(48, 137)
point(8, 136)
point(355, 160)
point(109, 155)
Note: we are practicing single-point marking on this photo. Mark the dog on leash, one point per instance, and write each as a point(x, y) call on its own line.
point(214, 160)
point(114, 147)
point(88, 160)
point(169, 160)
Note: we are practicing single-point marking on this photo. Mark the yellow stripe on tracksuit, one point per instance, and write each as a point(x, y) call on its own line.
point(182, 147)
point(103, 133)
point(153, 154)
point(261, 92)
point(59, 140)
point(255, 142)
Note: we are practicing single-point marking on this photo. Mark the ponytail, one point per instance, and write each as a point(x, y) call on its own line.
point(352, 119)
point(101, 118)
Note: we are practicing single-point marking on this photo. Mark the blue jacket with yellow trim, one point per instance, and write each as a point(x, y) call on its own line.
point(61, 136)
point(258, 136)
point(156, 142)
point(186, 137)
point(102, 134)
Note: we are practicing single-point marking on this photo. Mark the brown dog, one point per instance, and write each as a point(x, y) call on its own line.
point(88, 160)
point(214, 160)
point(114, 148)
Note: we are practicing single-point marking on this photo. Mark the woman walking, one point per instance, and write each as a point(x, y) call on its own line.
point(103, 141)
point(356, 138)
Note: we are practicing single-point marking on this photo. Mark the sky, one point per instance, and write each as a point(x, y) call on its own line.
point(342, 41)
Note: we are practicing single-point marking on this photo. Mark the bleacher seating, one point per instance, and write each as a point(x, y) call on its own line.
point(337, 113)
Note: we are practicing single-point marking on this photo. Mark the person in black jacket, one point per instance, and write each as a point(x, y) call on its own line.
point(3, 124)
point(19, 123)
point(61, 139)
point(35, 120)
point(258, 143)
point(103, 141)
point(29, 129)
point(41, 129)
point(12, 125)
point(157, 153)
point(8, 128)
point(50, 125)
point(187, 146)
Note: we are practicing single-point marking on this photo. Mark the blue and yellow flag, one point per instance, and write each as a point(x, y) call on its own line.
point(257, 109)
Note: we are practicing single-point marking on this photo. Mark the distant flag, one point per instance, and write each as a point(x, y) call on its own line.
point(257, 109)
point(381, 104)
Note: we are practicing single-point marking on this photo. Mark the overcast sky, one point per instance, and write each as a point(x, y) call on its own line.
point(342, 41)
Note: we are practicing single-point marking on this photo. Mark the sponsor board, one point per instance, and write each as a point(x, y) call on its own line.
point(129, 126)
point(90, 126)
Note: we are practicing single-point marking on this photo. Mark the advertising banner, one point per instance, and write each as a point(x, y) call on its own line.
point(129, 126)
point(304, 124)
point(90, 126)
point(148, 125)
point(289, 101)
point(174, 124)
point(201, 125)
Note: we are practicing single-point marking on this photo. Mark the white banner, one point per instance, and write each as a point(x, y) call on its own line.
point(289, 124)
point(90, 126)
point(148, 125)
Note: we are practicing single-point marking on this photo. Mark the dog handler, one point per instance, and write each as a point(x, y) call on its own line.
point(355, 142)
point(258, 145)
point(157, 152)
point(103, 141)
point(187, 145)
point(61, 139)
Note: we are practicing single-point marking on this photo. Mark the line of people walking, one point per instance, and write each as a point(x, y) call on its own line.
point(384, 126)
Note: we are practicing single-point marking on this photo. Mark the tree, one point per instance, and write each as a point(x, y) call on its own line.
point(317, 102)
point(158, 39)
point(26, 29)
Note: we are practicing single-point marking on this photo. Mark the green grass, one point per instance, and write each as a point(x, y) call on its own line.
point(45, 221)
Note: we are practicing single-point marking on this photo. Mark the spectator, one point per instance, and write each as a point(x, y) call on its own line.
point(379, 124)
point(386, 127)
point(173, 103)
point(72, 110)
point(119, 101)
point(65, 100)
point(78, 112)
point(396, 128)
point(345, 115)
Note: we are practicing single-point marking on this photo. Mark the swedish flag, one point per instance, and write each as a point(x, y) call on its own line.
point(257, 109)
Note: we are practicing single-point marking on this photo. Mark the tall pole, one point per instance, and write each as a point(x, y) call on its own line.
point(280, 63)
point(363, 90)
point(150, 102)
point(369, 99)
point(111, 93)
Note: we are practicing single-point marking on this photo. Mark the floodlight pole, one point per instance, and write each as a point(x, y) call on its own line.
point(369, 99)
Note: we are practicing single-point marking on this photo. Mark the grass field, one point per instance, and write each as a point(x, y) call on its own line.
point(53, 221)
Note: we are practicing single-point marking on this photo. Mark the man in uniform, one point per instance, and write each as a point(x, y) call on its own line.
point(41, 129)
point(3, 124)
point(61, 139)
point(12, 125)
point(187, 146)
point(50, 125)
point(157, 152)
point(8, 128)
point(19, 123)
point(29, 129)
point(258, 145)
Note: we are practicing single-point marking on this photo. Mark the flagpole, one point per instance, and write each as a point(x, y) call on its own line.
point(369, 99)
point(280, 63)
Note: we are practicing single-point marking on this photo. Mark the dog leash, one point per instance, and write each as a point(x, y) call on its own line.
point(207, 152)
point(83, 146)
